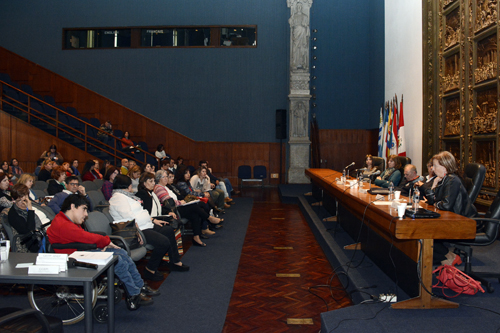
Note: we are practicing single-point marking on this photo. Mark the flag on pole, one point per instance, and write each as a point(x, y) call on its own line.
point(394, 132)
point(384, 131)
point(389, 131)
point(401, 132)
point(380, 130)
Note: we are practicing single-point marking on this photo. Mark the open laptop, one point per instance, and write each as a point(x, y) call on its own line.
point(421, 213)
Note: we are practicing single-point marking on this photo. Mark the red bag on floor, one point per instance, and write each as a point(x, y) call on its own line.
point(456, 280)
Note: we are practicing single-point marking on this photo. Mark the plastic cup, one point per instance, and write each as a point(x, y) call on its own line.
point(401, 209)
point(4, 251)
point(397, 194)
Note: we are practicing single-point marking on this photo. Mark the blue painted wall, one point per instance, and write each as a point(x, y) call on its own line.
point(210, 94)
point(350, 63)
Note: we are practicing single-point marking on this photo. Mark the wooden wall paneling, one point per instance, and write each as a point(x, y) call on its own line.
point(63, 91)
point(26, 143)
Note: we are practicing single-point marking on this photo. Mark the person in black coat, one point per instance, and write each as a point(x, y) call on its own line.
point(23, 219)
point(448, 193)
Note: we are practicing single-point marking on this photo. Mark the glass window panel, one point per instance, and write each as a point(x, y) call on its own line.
point(75, 39)
point(238, 36)
point(112, 38)
point(157, 37)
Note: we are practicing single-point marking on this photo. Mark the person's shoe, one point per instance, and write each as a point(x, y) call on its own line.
point(228, 200)
point(207, 232)
point(226, 205)
point(135, 302)
point(156, 276)
point(183, 268)
point(148, 291)
point(195, 243)
point(232, 202)
point(145, 300)
point(235, 192)
point(203, 236)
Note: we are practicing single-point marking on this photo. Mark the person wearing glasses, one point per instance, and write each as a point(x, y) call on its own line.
point(72, 187)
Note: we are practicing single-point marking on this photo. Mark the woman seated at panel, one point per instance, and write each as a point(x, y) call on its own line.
point(125, 206)
point(448, 193)
point(23, 220)
point(58, 182)
point(107, 185)
point(134, 173)
point(425, 185)
point(201, 183)
point(370, 169)
point(5, 198)
point(89, 171)
point(165, 192)
point(391, 173)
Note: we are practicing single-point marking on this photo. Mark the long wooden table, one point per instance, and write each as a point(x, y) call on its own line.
point(403, 233)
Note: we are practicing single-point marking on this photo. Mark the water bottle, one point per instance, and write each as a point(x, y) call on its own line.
point(3, 247)
point(416, 199)
point(391, 190)
point(343, 176)
point(360, 181)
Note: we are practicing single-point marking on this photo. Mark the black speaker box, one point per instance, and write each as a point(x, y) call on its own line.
point(281, 124)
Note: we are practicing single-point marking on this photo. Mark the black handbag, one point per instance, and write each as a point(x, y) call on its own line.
point(128, 231)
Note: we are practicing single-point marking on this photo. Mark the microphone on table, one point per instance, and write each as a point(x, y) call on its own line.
point(350, 165)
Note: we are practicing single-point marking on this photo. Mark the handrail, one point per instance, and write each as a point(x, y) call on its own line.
point(59, 125)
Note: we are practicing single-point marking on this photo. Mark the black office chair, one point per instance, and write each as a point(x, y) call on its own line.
point(378, 162)
point(474, 174)
point(485, 237)
point(28, 320)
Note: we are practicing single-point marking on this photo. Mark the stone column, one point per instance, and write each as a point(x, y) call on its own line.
point(299, 91)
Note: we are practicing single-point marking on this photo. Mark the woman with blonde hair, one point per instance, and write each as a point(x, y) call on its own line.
point(134, 173)
point(391, 173)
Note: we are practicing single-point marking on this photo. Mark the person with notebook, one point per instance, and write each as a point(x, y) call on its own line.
point(448, 193)
point(67, 228)
point(410, 180)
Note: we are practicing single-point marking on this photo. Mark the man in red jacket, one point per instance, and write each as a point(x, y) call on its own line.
point(67, 228)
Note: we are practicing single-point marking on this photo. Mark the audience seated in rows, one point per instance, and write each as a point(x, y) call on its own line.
point(28, 180)
point(125, 207)
point(201, 183)
point(90, 171)
point(74, 167)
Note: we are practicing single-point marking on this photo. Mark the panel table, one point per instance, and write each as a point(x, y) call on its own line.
point(384, 221)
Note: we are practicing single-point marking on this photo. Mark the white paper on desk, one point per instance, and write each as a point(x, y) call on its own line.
point(382, 203)
point(97, 258)
point(24, 265)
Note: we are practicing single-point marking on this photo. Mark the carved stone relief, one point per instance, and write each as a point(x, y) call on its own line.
point(447, 2)
point(486, 66)
point(300, 32)
point(485, 119)
point(486, 13)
